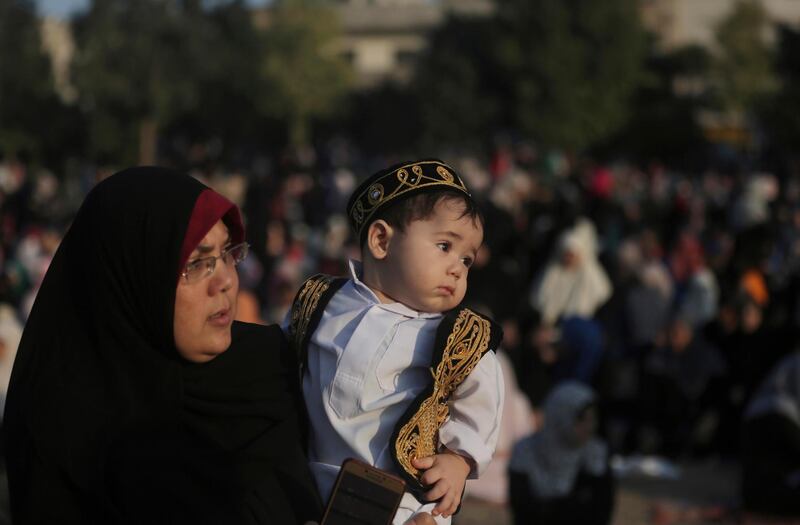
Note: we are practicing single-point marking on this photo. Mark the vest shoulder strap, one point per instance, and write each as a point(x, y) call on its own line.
point(307, 308)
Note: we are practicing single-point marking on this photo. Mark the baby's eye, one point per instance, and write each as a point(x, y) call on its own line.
point(444, 246)
point(467, 261)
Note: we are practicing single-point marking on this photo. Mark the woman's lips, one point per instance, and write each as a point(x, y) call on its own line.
point(221, 318)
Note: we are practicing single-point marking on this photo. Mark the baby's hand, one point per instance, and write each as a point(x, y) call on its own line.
point(446, 473)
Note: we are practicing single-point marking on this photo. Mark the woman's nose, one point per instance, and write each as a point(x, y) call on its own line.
point(223, 277)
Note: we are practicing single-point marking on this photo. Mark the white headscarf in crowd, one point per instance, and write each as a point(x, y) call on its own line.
point(579, 290)
point(550, 458)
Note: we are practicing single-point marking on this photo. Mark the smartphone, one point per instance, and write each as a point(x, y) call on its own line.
point(364, 495)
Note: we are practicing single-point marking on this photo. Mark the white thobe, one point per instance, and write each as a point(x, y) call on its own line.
point(367, 361)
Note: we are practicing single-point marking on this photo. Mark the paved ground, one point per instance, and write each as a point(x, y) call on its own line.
point(643, 500)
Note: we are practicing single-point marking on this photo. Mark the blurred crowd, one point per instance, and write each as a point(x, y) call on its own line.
point(670, 295)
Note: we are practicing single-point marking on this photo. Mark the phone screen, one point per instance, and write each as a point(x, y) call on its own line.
point(363, 495)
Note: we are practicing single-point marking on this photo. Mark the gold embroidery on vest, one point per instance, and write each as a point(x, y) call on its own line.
point(466, 344)
point(304, 306)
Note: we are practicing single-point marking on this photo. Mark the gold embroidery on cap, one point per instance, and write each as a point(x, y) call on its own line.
point(365, 207)
point(358, 212)
point(446, 175)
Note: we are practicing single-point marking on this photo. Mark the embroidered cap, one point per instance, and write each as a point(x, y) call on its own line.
point(397, 182)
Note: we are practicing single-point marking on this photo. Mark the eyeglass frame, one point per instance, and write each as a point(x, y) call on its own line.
point(212, 266)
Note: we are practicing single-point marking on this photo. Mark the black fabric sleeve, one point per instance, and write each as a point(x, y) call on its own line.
point(522, 501)
point(591, 502)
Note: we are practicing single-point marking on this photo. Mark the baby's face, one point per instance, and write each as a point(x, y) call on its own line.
point(427, 264)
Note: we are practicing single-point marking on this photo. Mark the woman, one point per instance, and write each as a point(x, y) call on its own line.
point(135, 398)
point(560, 475)
point(574, 283)
point(771, 443)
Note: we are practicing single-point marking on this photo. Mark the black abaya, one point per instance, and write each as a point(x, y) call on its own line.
point(105, 423)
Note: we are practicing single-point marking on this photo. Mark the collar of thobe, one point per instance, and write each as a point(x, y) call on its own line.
point(369, 296)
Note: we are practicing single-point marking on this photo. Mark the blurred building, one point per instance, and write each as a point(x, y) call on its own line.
point(383, 38)
point(685, 22)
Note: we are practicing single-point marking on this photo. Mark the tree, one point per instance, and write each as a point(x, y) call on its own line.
point(572, 66)
point(782, 114)
point(305, 78)
point(743, 66)
point(663, 125)
point(138, 64)
point(27, 96)
point(457, 85)
point(227, 112)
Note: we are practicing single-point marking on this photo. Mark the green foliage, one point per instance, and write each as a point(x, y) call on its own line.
point(229, 87)
point(574, 65)
point(663, 126)
point(743, 71)
point(304, 77)
point(142, 64)
point(384, 120)
point(561, 72)
point(783, 113)
point(136, 64)
point(27, 98)
point(457, 85)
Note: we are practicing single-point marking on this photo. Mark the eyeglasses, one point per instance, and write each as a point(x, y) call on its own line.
point(201, 268)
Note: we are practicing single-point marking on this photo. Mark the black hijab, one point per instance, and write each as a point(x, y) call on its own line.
point(105, 423)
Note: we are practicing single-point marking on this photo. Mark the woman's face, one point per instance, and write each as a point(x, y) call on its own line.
point(205, 309)
point(585, 426)
point(570, 259)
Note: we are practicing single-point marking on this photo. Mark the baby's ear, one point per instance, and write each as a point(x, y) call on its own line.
point(379, 234)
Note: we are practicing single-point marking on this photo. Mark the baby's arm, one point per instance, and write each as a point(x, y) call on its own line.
point(468, 437)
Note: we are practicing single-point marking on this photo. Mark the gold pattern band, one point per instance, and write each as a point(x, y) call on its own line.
point(467, 343)
point(399, 182)
point(304, 306)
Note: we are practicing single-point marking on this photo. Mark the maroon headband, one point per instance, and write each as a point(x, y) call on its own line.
point(208, 209)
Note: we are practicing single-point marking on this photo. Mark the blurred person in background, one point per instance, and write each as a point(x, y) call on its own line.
point(647, 305)
point(574, 349)
point(771, 444)
point(579, 350)
point(678, 378)
point(516, 422)
point(10, 335)
point(696, 289)
point(561, 474)
point(574, 283)
point(135, 397)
